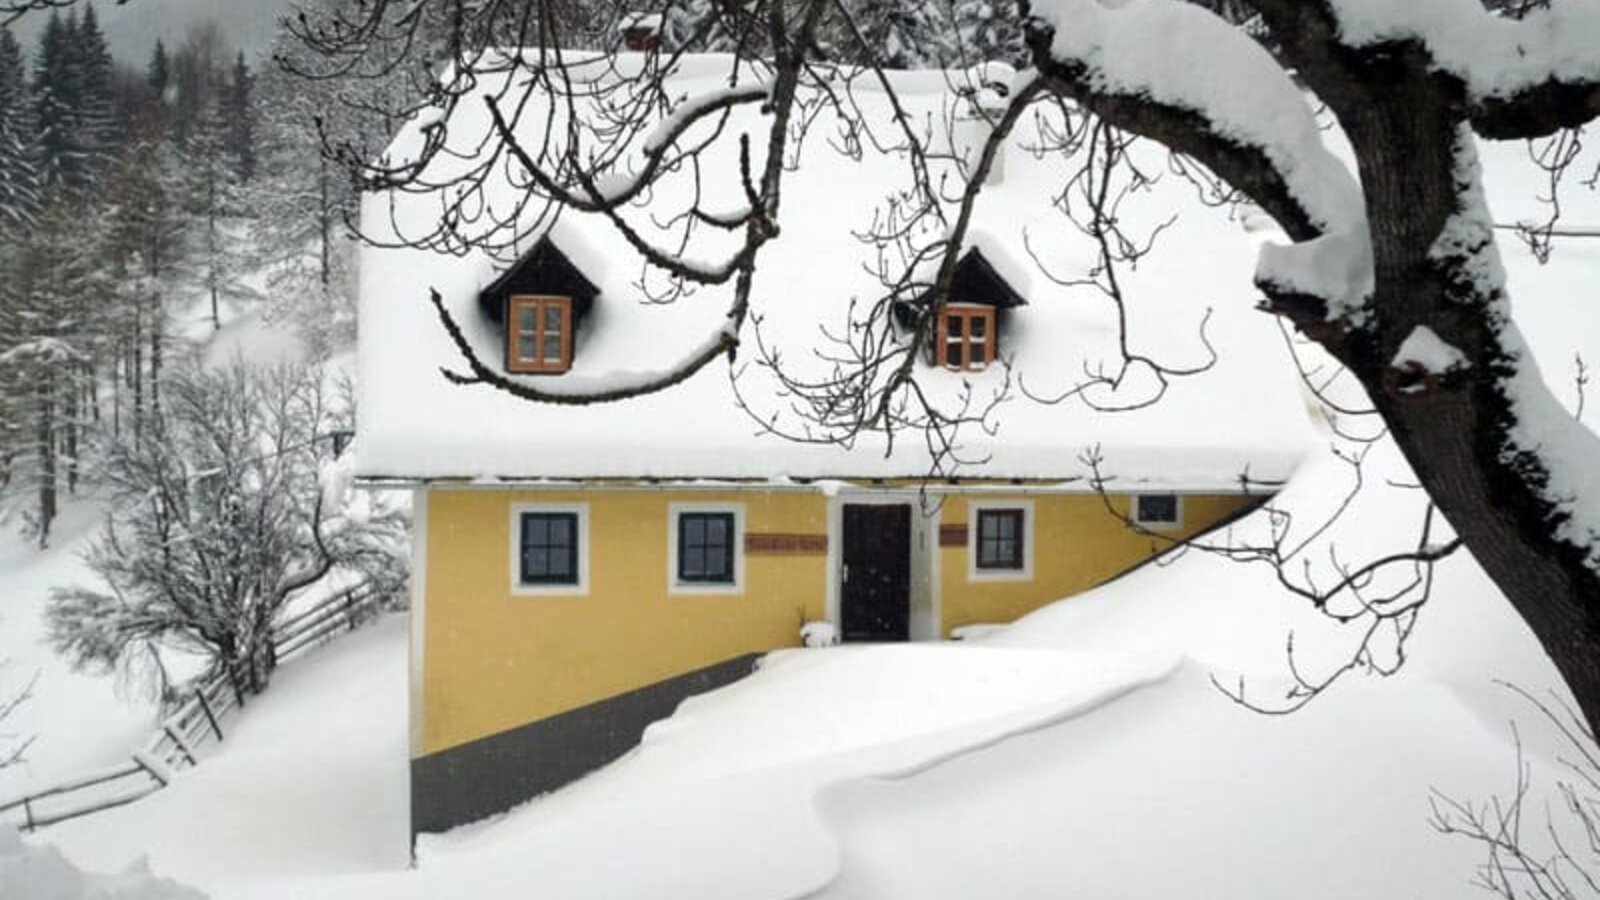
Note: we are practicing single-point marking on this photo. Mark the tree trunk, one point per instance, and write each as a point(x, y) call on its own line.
point(46, 438)
point(324, 225)
point(1455, 428)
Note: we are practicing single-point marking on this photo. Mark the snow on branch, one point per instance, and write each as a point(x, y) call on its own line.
point(1223, 100)
point(1496, 57)
point(1183, 57)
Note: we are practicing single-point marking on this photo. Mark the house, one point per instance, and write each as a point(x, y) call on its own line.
point(580, 569)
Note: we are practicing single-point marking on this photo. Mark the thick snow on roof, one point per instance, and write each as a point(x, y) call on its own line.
point(818, 277)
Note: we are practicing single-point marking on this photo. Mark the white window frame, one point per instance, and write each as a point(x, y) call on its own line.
point(1028, 540)
point(677, 586)
point(518, 588)
point(1157, 524)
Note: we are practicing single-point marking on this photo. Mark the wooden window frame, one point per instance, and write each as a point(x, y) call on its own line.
point(575, 532)
point(730, 550)
point(977, 511)
point(515, 362)
point(967, 313)
point(1019, 523)
point(549, 588)
point(734, 583)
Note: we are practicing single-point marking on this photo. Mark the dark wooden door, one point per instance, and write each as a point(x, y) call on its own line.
point(875, 592)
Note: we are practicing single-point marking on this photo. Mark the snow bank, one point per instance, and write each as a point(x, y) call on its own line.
point(33, 871)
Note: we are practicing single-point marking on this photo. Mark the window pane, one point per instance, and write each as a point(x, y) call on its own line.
point(535, 530)
point(954, 326)
point(980, 352)
point(953, 355)
point(525, 347)
point(550, 548)
point(552, 317)
point(1000, 539)
point(1158, 508)
point(526, 316)
point(706, 547)
point(552, 347)
point(716, 562)
point(979, 326)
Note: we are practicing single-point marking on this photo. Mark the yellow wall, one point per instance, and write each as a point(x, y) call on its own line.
point(1078, 544)
point(494, 660)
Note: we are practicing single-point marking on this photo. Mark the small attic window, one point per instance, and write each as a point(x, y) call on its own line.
point(539, 334)
point(966, 337)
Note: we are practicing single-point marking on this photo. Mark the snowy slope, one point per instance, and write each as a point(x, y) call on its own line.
point(78, 721)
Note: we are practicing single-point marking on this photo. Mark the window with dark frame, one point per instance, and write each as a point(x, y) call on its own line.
point(539, 332)
point(1156, 509)
point(706, 547)
point(966, 339)
point(549, 544)
point(1000, 539)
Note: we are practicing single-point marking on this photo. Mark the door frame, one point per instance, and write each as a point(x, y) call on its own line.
point(926, 613)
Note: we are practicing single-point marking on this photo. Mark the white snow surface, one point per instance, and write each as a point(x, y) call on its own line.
point(1181, 55)
point(1241, 415)
point(34, 871)
point(77, 720)
point(1425, 348)
point(1496, 56)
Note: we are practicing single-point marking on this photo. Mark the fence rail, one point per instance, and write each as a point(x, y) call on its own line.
point(195, 721)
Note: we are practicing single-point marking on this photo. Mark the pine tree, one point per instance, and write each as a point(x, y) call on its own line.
point(50, 332)
point(211, 197)
point(93, 68)
point(904, 34)
point(19, 186)
point(61, 158)
point(239, 110)
point(696, 25)
point(989, 30)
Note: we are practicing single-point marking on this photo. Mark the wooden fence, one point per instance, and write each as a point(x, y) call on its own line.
point(195, 721)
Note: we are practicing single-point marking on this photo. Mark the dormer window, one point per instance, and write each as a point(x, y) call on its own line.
point(965, 339)
point(539, 331)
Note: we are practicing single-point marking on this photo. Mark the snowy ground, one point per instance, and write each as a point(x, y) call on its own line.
point(79, 721)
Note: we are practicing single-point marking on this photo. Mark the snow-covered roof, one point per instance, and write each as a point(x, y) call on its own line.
point(1244, 415)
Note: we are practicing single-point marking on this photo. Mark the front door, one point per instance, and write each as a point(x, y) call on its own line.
point(875, 579)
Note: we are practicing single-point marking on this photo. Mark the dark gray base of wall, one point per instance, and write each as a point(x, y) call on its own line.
point(493, 774)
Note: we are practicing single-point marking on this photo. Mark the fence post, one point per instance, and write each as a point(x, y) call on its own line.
point(139, 761)
point(205, 707)
point(233, 680)
point(178, 742)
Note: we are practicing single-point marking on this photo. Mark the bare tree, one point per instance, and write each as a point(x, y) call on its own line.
point(221, 517)
point(1531, 849)
point(1407, 252)
point(13, 746)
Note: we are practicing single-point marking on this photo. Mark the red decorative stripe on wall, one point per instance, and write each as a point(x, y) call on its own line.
point(952, 535)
